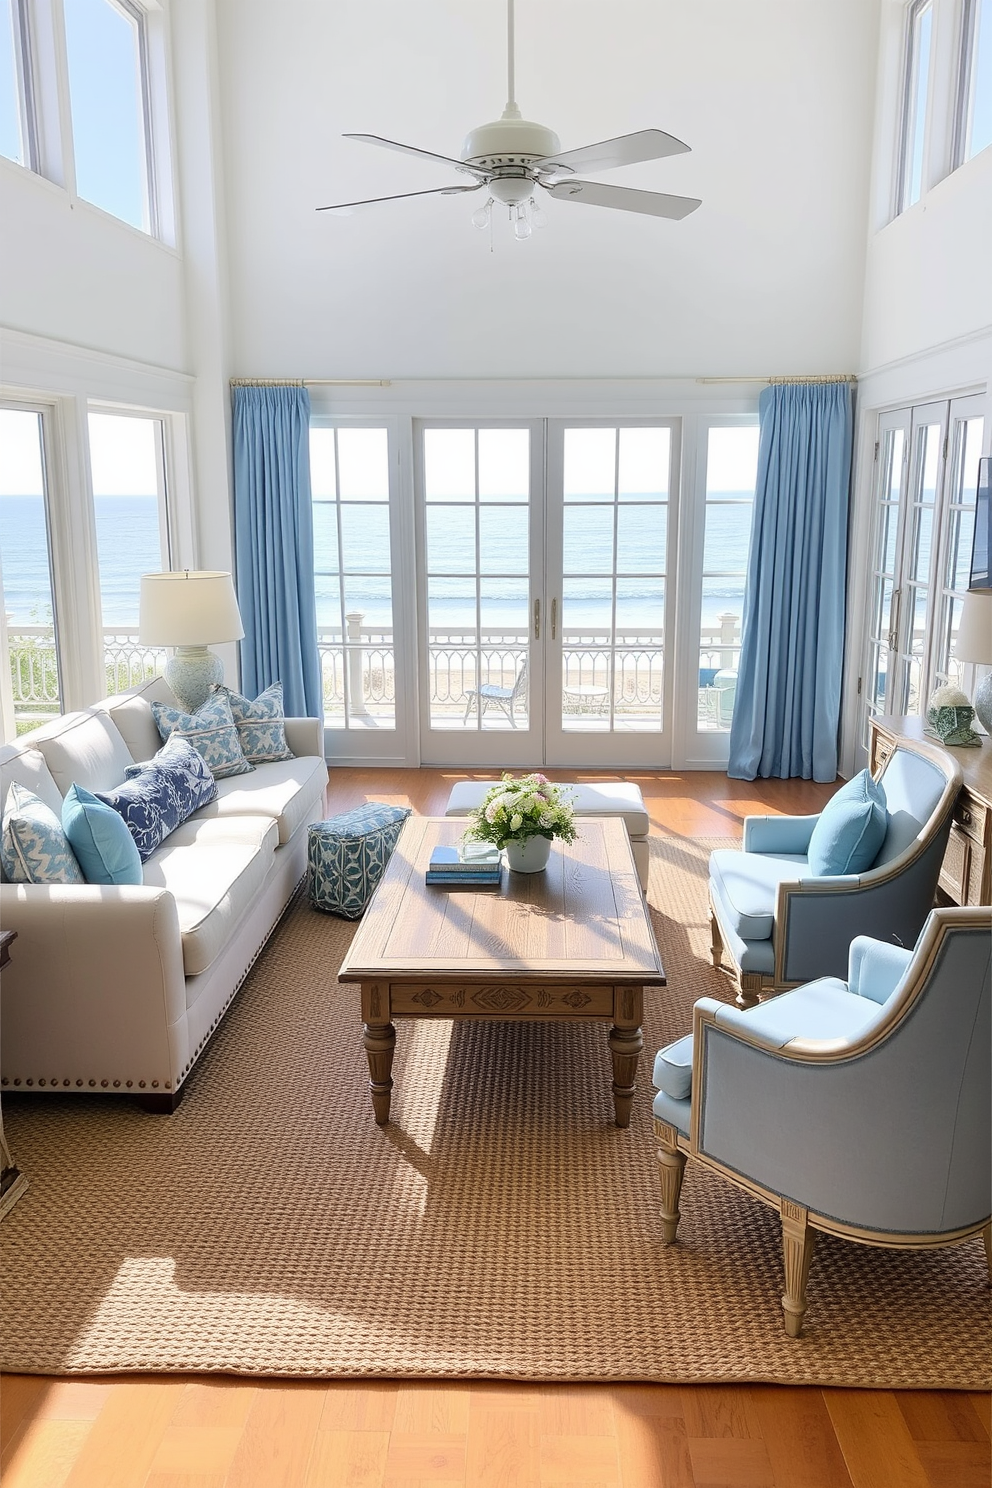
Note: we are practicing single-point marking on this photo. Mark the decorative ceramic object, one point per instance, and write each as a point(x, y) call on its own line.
point(529, 856)
point(950, 716)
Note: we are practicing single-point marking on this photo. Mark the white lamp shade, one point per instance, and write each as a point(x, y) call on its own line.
point(188, 608)
point(974, 638)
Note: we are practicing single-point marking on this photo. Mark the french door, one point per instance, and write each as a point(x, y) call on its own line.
point(926, 467)
point(543, 591)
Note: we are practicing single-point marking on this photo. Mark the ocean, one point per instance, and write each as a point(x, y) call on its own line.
point(128, 545)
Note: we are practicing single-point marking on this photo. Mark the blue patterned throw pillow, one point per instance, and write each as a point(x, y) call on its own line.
point(33, 847)
point(261, 724)
point(157, 797)
point(211, 730)
point(347, 856)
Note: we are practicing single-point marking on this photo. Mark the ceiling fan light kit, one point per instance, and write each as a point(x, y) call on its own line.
point(515, 158)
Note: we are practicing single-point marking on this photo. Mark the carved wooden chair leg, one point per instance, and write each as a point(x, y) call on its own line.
point(749, 988)
point(797, 1243)
point(671, 1168)
point(716, 941)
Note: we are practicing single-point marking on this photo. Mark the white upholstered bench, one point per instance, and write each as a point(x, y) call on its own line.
point(608, 798)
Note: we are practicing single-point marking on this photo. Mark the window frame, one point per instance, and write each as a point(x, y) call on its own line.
point(908, 112)
point(966, 81)
point(25, 84)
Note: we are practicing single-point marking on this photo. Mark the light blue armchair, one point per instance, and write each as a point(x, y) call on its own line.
point(779, 1099)
point(781, 926)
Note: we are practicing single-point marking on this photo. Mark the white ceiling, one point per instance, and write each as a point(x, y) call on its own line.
point(775, 99)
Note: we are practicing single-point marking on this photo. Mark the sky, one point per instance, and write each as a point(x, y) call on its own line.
point(122, 452)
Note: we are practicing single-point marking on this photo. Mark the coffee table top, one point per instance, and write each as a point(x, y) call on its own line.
point(583, 917)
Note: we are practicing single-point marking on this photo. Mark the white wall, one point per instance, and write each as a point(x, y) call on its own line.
point(775, 99)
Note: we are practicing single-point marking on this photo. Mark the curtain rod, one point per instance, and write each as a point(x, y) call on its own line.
point(309, 382)
point(814, 377)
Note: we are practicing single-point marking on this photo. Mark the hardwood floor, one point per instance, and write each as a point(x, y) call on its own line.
point(169, 1431)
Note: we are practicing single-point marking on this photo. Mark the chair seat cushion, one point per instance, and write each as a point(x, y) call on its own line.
point(673, 1068)
point(215, 871)
point(605, 798)
point(747, 884)
point(850, 829)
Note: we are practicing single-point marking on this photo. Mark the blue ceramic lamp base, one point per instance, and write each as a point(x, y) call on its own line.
point(191, 673)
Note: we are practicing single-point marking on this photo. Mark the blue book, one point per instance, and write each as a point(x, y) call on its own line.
point(451, 860)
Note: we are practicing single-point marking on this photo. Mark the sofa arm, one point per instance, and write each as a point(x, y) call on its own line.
point(778, 834)
point(95, 989)
point(305, 736)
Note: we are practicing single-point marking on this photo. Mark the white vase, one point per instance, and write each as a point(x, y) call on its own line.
point(529, 856)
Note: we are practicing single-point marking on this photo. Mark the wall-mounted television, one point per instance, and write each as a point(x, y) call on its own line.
point(981, 578)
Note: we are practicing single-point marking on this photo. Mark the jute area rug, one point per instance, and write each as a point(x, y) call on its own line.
point(501, 1226)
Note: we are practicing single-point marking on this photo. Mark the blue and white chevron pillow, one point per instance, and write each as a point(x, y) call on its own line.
point(33, 847)
point(261, 724)
point(211, 730)
point(158, 796)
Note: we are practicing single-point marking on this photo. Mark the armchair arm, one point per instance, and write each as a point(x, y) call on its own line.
point(95, 988)
point(875, 968)
point(305, 736)
point(784, 834)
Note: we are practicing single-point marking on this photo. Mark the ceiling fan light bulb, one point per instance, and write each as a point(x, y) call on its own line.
point(538, 216)
point(522, 228)
point(480, 219)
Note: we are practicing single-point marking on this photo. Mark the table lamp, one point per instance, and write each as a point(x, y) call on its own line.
point(190, 610)
point(974, 643)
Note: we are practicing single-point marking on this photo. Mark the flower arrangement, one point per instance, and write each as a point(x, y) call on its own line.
point(950, 716)
point(516, 810)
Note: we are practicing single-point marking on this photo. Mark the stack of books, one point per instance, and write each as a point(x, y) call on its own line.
point(475, 866)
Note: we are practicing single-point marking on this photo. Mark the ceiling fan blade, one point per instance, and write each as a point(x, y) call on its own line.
point(377, 139)
point(370, 201)
point(654, 203)
point(626, 149)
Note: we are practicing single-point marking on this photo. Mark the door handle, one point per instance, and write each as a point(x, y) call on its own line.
point(537, 619)
point(554, 618)
point(894, 618)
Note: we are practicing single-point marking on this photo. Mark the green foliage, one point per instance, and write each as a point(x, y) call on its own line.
point(517, 809)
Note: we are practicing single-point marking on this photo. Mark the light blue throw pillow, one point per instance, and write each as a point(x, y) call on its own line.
point(33, 847)
point(261, 724)
point(211, 730)
point(100, 839)
point(850, 830)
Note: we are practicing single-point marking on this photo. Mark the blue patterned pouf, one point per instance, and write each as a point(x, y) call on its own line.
point(347, 856)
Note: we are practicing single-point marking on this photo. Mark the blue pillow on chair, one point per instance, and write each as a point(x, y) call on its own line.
point(850, 830)
point(99, 837)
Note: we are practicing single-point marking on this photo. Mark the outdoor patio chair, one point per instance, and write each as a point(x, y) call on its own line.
point(505, 698)
point(858, 1107)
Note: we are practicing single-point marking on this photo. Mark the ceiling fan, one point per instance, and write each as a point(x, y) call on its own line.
point(515, 158)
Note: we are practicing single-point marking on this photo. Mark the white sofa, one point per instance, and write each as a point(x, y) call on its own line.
point(118, 989)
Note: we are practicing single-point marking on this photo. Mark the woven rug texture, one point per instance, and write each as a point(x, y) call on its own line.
point(500, 1226)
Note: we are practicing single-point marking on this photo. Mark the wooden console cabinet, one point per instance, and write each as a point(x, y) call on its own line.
point(966, 875)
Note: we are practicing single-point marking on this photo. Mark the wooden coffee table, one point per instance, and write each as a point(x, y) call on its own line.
point(572, 942)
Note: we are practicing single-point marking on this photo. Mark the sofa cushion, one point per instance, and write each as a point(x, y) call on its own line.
point(33, 845)
point(287, 790)
point(99, 837)
point(261, 724)
point(215, 871)
point(747, 884)
point(132, 715)
point(849, 830)
point(85, 749)
point(210, 729)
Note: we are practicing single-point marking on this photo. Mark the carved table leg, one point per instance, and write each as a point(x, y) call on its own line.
point(626, 1042)
point(797, 1243)
point(380, 1041)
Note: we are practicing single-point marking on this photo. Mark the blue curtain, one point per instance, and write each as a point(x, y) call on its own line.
point(273, 534)
point(787, 711)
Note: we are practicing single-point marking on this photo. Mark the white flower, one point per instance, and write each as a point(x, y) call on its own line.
point(516, 822)
point(948, 697)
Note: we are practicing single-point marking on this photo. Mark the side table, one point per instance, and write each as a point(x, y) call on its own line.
point(12, 1180)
